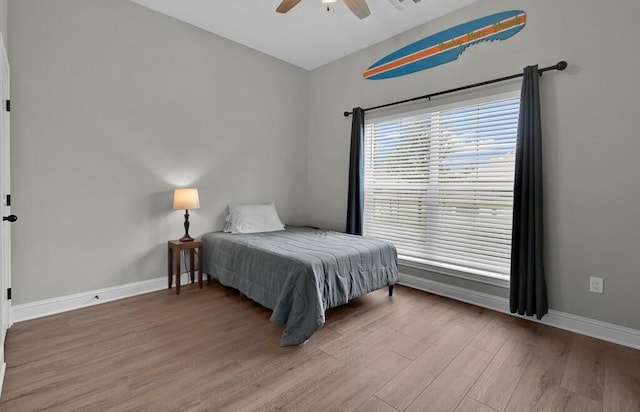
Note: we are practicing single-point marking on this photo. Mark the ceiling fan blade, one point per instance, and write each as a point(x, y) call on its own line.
point(358, 7)
point(286, 5)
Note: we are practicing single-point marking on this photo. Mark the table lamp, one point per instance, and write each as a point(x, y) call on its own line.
point(186, 198)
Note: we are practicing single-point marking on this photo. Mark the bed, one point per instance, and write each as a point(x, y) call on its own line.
point(300, 272)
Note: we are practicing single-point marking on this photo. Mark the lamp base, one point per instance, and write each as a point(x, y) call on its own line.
point(186, 237)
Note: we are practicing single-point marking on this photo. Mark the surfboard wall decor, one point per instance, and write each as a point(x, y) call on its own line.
point(447, 45)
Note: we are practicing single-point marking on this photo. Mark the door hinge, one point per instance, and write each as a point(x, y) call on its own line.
point(9, 294)
point(8, 105)
point(8, 200)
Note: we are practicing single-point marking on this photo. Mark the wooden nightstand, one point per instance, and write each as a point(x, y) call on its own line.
point(175, 247)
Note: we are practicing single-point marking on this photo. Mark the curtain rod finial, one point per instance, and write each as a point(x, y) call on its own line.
point(561, 65)
point(347, 114)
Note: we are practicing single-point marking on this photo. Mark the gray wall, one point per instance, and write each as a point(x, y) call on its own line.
point(591, 144)
point(114, 105)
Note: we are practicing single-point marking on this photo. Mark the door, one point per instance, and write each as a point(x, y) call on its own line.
point(7, 218)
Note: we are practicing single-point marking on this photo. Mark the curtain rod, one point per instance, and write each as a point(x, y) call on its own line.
point(560, 66)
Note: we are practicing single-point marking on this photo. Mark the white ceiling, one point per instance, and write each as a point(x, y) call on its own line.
point(307, 36)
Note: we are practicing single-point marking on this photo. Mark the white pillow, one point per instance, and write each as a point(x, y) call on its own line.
point(253, 219)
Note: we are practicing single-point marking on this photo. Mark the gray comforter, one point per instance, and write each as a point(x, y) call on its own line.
point(300, 272)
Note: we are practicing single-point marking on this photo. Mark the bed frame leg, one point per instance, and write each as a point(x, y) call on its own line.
point(390, 290)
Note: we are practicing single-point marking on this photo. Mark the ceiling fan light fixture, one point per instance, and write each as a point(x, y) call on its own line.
point(328, 3)
point(357, 7)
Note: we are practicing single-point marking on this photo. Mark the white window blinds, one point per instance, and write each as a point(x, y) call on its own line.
point(439, 185)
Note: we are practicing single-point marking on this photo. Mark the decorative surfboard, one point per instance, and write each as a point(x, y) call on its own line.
point(447, 45)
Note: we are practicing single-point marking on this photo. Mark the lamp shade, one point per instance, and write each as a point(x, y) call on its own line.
point(186, 199)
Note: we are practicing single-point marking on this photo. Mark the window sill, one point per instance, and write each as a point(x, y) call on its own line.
point(488, 278)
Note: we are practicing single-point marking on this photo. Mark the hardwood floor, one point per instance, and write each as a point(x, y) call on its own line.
point(212, 350)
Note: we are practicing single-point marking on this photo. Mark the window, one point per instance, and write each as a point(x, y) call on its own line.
point(439, 185)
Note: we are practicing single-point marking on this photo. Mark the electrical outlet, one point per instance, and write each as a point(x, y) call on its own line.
point(596, 285)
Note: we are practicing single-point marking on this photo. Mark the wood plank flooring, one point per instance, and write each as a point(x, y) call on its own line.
point(213, 350)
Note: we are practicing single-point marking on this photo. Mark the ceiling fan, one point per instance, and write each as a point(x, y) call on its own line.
point(358, 7)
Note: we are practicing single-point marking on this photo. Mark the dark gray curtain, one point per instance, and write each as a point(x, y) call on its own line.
point(355, 205)
point(528, 291)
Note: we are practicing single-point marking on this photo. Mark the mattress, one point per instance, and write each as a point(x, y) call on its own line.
point(300, 272)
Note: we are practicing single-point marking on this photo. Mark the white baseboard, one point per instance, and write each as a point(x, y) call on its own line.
point(584, 326)
point(61, 304)
point(3, 369)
